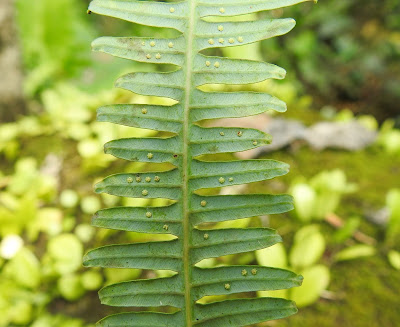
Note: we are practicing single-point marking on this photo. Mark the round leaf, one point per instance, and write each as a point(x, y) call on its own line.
point(70, 287)
point(309, 246)
point(274, 256)
point(304, 201)
point(66, 251)
point(316, 280)
point(394, 259)
point(24, 269)
point(92, 280)
point(69, 198)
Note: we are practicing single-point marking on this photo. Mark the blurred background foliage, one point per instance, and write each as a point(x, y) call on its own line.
point(343, 66)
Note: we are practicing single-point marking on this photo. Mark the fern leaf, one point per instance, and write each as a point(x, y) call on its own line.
point(140, 219)
point(154, 255)
point(225, 71)
point(217, 243)
point(158, 84)
point(213, 281)
point(170, 51)
point(230, 207)
point(145, 150)
point(187, 216)
point(165, 186)
point(158, 118)
point(145, 293)
point(240, 7)
point(208, 174)
point(142, 319)
point(144, 12)
point(242, 312)
point(239, 33)
point(206, 105)
point(223, 140)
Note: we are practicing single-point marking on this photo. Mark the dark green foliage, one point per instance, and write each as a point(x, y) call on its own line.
point(355, 45)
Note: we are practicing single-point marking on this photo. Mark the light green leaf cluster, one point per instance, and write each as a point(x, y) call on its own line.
point(394, 259)
point(389, 137)
point(46, 56)
point(189, 216)
point(316, 276)
point(393, 203)
point(30, 217)
point(321, 195)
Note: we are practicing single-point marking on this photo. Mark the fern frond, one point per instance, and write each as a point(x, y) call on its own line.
point(191, 216)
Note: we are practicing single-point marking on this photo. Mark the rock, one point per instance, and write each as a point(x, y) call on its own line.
point(283, 132)
point(340, 135)
point(380, 217)
point(348, 136)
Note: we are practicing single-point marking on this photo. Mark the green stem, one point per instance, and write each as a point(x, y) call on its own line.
point(187, 230)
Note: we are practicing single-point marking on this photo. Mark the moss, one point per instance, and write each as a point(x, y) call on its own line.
point(364, 290)
point(371, 169)
point(306, 115)
point(367, 296)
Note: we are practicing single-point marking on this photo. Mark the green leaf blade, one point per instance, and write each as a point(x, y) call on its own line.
point(213, 105)
point(159, 118)
point(241, 7)
point(242, 312)
point(145, 150)
point(171, 51)
point(146, 13)
point(145, 293)
point(141, 219)
point(153, 255)
point(230, 207)
point(217, 70)
point(147, 185)
point(142, 319)
point(217, 174)
point(213, 281)
point(240, 33)
point(216, 243)
point(167, 85)
point(225, 140)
